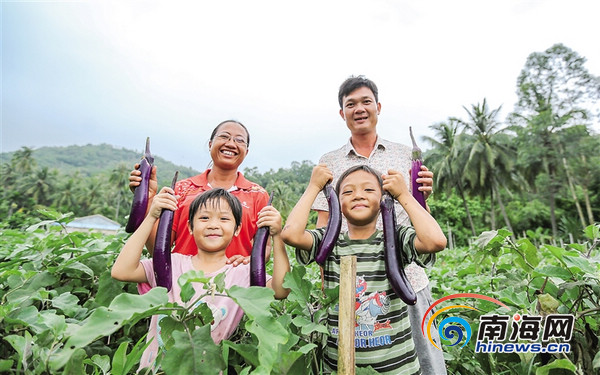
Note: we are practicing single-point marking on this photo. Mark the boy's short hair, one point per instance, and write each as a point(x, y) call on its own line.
point(355, 82)
point(356, 168)
point(215, 195)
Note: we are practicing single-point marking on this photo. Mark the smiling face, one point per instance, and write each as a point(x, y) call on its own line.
point(360, 110)
point(214, 225)
point(360, 194)
point(226, 149)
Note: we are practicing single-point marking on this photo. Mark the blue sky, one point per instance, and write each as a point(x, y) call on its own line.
point(116, 72)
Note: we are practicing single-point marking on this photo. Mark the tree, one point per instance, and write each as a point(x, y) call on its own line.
point(40, 185)
point(445, 159)
point(490, 155)
point(554, 92)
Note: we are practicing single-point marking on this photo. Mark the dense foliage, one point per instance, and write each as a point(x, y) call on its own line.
point(62, 312)
point(85, 180)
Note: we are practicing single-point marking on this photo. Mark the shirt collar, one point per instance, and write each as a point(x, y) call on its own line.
point(202, 180)
point(379, 142)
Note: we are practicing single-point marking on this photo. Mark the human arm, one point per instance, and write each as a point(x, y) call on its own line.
point(270, 217)
point(127, 266)
point(429, 236)
point(294, 233)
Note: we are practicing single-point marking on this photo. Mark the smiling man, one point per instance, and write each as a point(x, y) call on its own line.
point(360, 109)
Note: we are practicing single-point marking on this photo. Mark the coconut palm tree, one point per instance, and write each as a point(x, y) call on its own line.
point(445, 159)
point(490, 157)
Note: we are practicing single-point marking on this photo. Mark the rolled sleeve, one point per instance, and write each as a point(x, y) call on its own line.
point(306, 257)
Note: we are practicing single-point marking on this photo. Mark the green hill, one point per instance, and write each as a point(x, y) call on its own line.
point(90, 160)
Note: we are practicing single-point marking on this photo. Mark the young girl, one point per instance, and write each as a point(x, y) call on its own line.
point(214, 219)
point(383, 333)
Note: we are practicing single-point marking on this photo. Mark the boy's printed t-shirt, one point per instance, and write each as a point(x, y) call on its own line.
point(383, 333)
point(226, 312)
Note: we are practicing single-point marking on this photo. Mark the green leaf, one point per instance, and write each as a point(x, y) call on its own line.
point(21, 344)
point(592, 231)
point(102, 362)
point(558, 252)
point(122, 362)
point(529, 251)
point(307, 327)
point(76, 266)
point(596, 361)
point(104, 321)
point(108, 288)
point(75, 364)
point(578, 264)
point(193, 354)
point(68, 303)
point(508, 296)
point(255, 300)
point(248, 351)
point(6, 365)
point(552, 271)
point(300, 288)
point(557, 364)
point(270, 334)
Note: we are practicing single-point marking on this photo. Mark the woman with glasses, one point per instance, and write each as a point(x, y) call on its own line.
point(228, 146)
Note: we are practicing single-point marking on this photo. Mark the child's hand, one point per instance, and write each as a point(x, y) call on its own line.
point(166, 199)
point(270, 217)
point(394, 183)
point(320, 176)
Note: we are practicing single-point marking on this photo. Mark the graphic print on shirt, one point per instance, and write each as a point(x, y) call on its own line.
point(370, 331)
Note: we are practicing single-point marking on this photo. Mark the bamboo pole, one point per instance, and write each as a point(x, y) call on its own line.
point(347, 317)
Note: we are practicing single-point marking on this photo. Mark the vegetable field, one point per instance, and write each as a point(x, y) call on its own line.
point(62, 313)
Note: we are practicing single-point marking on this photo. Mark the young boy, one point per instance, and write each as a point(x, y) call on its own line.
point(383, 333)
point(214, 219)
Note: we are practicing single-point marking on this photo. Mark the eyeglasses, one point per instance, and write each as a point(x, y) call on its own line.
point(226, 137)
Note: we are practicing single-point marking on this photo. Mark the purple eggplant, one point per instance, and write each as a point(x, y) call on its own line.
point(139, 204)
point(394, 264)
point(334, 225)
point(258, 275)
point(417, 161)
point(161, 258)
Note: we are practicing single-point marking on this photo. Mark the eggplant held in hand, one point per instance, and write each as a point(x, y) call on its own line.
point(139, 204)
point(334, 225)
point(258, 275)
point(417, 161)
point(394, 264)
point(161, 258)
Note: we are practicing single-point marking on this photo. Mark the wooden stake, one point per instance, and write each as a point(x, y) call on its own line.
point(347, 317)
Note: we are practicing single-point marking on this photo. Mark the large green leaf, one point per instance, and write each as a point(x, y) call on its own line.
point(194, 354)
point(255, 300)
point(564, 364)
point(580, 264)
point(553, 271)
point(300, 288)
point(68, 303)
point(104, 321)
